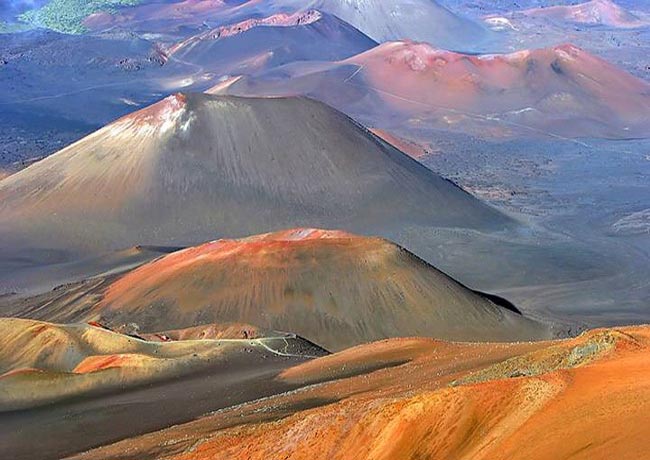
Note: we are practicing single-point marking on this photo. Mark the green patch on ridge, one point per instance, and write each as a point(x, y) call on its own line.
point(13, 27)
point(67, 16)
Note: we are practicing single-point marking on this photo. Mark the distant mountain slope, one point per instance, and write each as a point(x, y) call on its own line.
point(595, 12)
point(256, 44)
point(68, 16)
point(559, 91)
point(172, 18)
point(194, 166)
point(422, 20)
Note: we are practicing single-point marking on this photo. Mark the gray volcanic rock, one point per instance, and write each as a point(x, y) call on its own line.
point(257, 44)
point(421, 20)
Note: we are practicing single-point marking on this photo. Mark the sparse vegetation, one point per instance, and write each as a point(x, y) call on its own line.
point(13, 27)
point(67, 16)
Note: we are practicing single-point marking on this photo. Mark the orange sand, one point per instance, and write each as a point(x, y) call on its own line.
point(585, 398)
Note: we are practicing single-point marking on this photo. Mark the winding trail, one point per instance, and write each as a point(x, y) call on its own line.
point(286, 347)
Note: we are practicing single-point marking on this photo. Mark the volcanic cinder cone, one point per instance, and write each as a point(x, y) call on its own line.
point(253, 45)
point(196, 166)
point(558, 91)
point(601, 12)
point(333, 288)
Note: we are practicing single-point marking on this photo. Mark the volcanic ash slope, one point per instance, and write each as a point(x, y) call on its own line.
point(584, 398)
point(42, 363)
point(194, 166)
point(424, 20)
point(558, 91)
point(594, 12)
point(333, 288)
point(253, 45)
